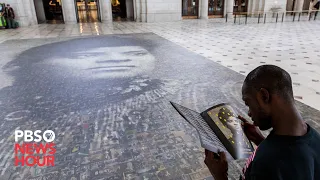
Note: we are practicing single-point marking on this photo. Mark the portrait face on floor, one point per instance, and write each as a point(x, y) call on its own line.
point(108, 96)
point(106, 62)
point(86, 59)
point(115, 67)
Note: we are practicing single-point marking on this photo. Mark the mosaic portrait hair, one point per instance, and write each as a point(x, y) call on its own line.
point(26, 60)
point(33, 79)
point(36, 81)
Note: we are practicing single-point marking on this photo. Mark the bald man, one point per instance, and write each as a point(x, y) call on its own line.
point(292, 149)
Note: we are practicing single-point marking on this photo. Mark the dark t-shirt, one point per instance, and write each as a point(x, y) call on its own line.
point(285, 158)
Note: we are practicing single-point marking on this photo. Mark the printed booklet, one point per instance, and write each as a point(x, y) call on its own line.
point(219, 129)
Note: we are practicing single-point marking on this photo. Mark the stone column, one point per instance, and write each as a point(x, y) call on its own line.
point(250, 6)
point(69, 11)
point(129, 9)
point(256, 6)
point(32, 13)
point(25, 13)
point(105, 10)
point(41, 17)
point(229, 8)
point(143, 10)
point(137, 10)
point(204, 7)
point(262, 6)
point(298, 5)
point(253, 6)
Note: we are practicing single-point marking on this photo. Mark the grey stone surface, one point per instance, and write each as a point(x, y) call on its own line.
point(107, 99)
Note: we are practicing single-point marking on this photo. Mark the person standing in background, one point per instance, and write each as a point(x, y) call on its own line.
point(86, 3)
point(9, 16)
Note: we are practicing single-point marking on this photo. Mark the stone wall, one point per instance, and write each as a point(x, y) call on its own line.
point(289, 5)
point(143, 10)
point(306, 4)
point(41, 16)
point(105, 10)
point(162, 10)
point(24, 11)
point(69, 11)
point(275, 3)
point(254, 6)
point(129, 6)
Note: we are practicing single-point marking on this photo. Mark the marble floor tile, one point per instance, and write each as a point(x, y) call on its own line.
point(241, 48)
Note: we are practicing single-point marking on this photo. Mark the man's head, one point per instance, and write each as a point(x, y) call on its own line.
point(8, 5)
point(264, 89)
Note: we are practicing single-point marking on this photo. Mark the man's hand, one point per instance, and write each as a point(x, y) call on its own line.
point(217, 164)
point(251, 131)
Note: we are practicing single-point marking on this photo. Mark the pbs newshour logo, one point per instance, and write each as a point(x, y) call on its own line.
point(36, 148)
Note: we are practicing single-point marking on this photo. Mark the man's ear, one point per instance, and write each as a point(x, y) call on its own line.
point(264, 95)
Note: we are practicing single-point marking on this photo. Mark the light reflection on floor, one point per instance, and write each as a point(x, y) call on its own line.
point(241, 48)
point(88, 16)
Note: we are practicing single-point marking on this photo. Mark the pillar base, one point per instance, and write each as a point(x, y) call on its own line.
point(206, 17)
point(70, 22)
point(106, 21)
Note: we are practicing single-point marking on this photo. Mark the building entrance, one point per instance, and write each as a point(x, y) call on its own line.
point(49, 11)
point(190, 8)
point(87, 11)
point(240, 6)
point(122, 10)
point(216, 8)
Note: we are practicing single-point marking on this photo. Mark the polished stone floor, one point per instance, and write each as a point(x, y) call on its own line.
point(105, 91)
point(293, 46)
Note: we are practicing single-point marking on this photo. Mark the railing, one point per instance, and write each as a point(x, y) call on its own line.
point(270, 17)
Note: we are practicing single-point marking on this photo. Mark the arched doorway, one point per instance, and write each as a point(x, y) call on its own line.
point(306, 5)
point(216, 8)
point(48, 11)
point(190, 8)
point(87, 10)
point(122, 10)
point(240, 6)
